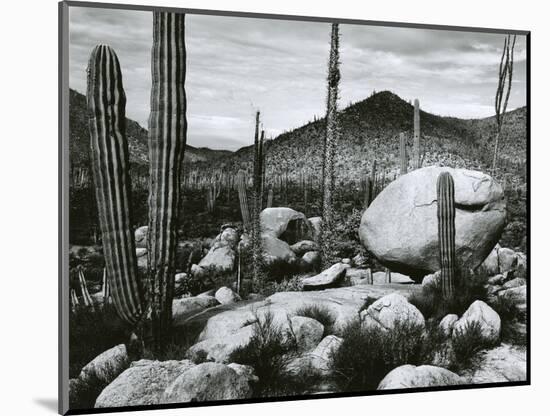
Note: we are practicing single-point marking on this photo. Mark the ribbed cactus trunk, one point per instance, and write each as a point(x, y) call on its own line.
point(403, 153)
point(167, 138)
point(416, 141)
point(331, 136)
point(270, 197)
point(257, 201)
point(446, 232)
point(109, 154)
point(243, 200)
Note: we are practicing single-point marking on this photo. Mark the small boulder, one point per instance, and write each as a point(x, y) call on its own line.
point(106, 366)
point(226, 296)
point(502, 364)
point(320, 357)
point(497, 279)
point(346, 260)
point(379, 278)
point(447, 324)
point(507, 259)
point(482, 314)
point(140, 236)
point(410, 376)
point(221, 256)
point(310, 260)
point(518, 295)
point(517, 282)
point(184, 308)
point(327, 278)
point(142, 384)
point(208, 382)
point(220, 349)
point(431, 279)
point(357, 276)
point(490, 264)
point(359, 260)
point(389, 310)
point(276, 251)
point(302, 247)
point(307, 332)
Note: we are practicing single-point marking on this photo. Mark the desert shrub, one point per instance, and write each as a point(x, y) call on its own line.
point(83, 395)
point(512, 329)
point(367, 354)
point(270, 352)
point(90, 333)
point(268, 288)
point(466, 343)
point(431, 302)
point(279, 270)
point(321, 314)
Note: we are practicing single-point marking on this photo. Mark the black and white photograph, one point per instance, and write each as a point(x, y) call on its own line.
point(265, 208)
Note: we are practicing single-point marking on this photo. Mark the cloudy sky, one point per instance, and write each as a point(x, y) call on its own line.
point(237, 65)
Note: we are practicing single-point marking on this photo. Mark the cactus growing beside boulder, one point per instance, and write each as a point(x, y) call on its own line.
point(446, 232)
point(403, 153)
point(417, 163)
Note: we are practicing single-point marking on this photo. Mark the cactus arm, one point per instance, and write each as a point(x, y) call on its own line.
point(109, 150)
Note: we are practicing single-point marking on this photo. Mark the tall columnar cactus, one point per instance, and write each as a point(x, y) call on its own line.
point(270, 197)
point(243, 200)
point(403, 153)
point(446, 231)
point(167, 139)
point(416, 142)
point(327, 228)
point(257, 201)
point(109, 154)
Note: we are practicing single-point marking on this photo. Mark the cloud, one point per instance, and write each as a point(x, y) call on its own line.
point(238, 65)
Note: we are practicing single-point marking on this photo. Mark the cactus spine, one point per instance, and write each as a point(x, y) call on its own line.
point(416, 142)
point(446, 232)
point(403, 153)
point(331, 133)
point(167, 138)
point(109, 154)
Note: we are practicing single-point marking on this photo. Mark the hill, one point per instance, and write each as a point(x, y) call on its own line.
point(79, 141)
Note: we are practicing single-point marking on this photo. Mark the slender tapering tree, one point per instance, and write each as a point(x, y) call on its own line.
point(109, 153)
point(167, 139)
point(331, 136)
point(257, 201)
point(505, 73)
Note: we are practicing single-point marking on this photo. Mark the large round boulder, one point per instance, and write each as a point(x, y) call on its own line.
point(408, 376)
point(391, 310)
point(400, 226)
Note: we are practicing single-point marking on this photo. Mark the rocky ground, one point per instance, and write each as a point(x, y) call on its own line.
point(314, 313)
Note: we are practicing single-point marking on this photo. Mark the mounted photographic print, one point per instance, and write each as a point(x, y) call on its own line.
point(265, 207)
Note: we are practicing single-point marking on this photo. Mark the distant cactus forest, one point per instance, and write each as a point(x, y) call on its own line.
point(379, 247)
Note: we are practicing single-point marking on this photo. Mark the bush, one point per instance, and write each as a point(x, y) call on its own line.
point(270, 351)
point(367, 354)
point(468, 288)
point(293, 284)
point(321, 314)
point(513, 320)
point(466, 343)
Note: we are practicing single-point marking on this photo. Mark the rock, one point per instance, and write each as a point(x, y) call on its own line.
point(490, 264)
point(307, 332)
point(232, 326)
point(226, 296)
point(276, 251)
point(400, 226)
point(521, 267)
point(518, 295)
point(142, 384)
point(447, 324)
point(517, 282)
point(302, 247)
point(221, 256)
point(507, 260)
point(320, 357)
point(220, 349)
point(497, 279)
point(184, 308)
point(315, 223)
point(359, 260)
point(357, 276)
point(140, 236)
point(431, 279)
point(197, 271)
point(481, 313)
point(106, 366)
point(140, 252)
point(386, 312)
point(379, 278)
point(245, 371)
point(310, 260)
point(208, 382)
point(285, 224)
point(327, 278)
point(410, 376)
point(493, 289)
point(346, 261)
point(502, 364)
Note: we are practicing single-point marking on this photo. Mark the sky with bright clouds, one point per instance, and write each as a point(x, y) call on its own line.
point(236, 65)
